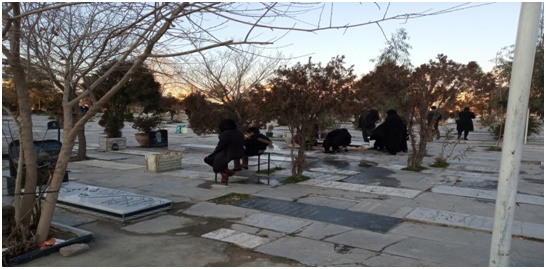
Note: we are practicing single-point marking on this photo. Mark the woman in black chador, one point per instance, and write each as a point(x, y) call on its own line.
point(229, 147)
point(391, 134)
point(464, 123)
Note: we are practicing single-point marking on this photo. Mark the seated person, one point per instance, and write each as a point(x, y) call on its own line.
point(229, 147)
point(335, 139)
point(255, 142)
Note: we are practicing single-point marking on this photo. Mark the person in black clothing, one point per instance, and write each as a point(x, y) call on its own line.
point(367, 123)
point(391, 134)
point(335, 139)
point(464, 123)
point(254, 143)
point(229, 147)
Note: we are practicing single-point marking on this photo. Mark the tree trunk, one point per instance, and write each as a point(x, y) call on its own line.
point(82, 142)
point(25, 132)
point(82, 146)
point(415, 159)
point(300, 160)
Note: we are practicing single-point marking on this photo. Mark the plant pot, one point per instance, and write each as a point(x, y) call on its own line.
point(143, 139)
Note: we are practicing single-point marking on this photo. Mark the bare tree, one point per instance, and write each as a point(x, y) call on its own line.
point(70, 40)
point(228, 75)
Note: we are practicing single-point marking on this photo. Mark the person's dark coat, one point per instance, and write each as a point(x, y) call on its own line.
point(379, 136)
point(368, 121)
point(335, 139)
point(229, 147)
point(464, 123)
point(393, 129)
point(255, 144)
point(404, 141)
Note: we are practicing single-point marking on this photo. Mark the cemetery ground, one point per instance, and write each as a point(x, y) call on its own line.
point(359, 208)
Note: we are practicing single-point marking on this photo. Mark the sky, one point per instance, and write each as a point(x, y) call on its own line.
point(474, 34)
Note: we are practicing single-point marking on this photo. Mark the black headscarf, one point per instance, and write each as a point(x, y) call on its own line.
point(227, 124)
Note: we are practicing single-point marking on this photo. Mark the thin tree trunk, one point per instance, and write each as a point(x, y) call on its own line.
point(25, 132)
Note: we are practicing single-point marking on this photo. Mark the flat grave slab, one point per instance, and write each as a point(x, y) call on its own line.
point(455, 219)
point(235, 237)
point(360, 220)
point(486, 194)
point(399, 192)
point(110, 203)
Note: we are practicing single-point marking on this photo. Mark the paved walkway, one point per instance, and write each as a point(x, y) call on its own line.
point(358, 209)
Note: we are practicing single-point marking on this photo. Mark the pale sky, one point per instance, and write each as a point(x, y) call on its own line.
point(474, 34)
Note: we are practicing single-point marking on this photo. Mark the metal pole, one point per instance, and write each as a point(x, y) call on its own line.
point(518, 99)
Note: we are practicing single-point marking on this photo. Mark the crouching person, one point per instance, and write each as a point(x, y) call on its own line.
point(335, 139)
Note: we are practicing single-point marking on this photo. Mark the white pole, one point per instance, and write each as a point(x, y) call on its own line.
point(526, 127)
point(518, 99)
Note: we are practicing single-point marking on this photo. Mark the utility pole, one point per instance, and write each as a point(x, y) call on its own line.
point(518, 100)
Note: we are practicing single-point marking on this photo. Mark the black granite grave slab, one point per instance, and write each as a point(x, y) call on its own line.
point(359, 220)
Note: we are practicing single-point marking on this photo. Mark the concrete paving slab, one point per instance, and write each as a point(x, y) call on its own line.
point(313, 175)
point(71, 218)
point(474, 206)
point(396, 166)
point(112, 165)
point(388, 260)
point(309, 252)
point(406, 193)
point(288, 192)
point(521, 250)
point(333, 170)
point(350, 256)
point(275, 223)
point(386, 207)
point(444, 234)
point(366, 239)
point(235, 237)
point(332, 202)
point(157, 225)
point(490, 169)
point(321, 230)
point(485, 194)
point(185, 173)
point(206, 209)
point(246, 229)
point(531, 230)
point(139, 152)
point(440, 253)
point(265, 233)
point(105, 156)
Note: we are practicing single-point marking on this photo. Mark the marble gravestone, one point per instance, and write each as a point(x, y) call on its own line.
point(110, 203)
